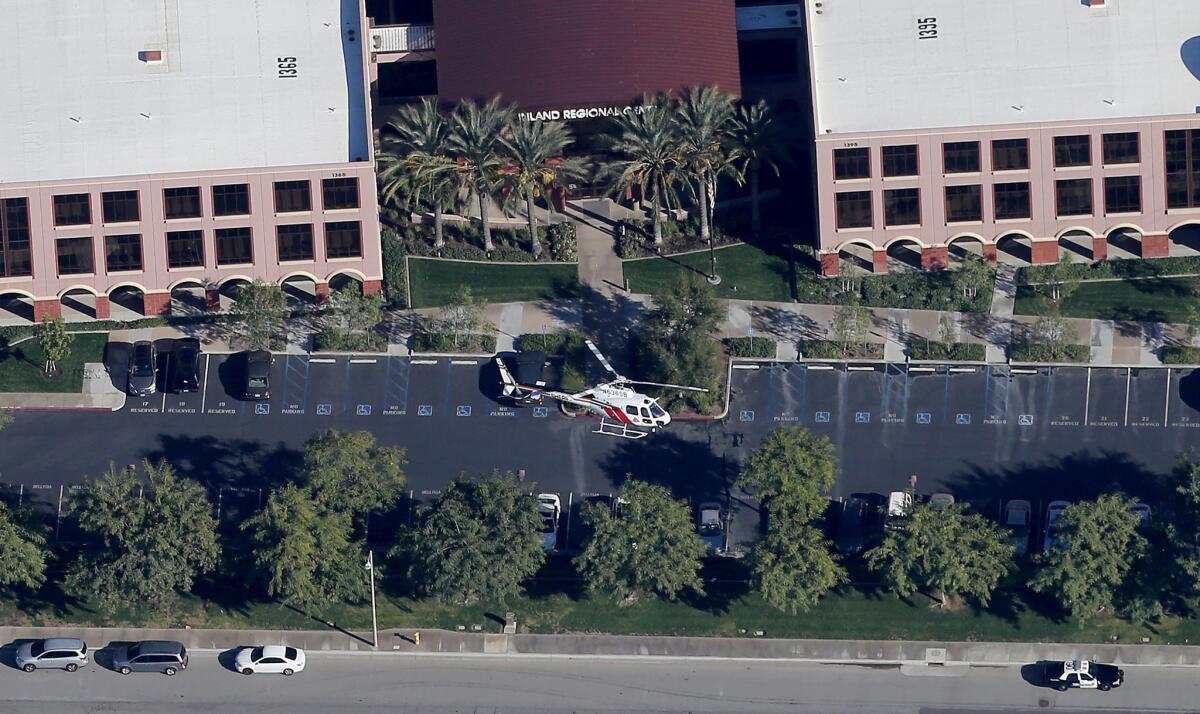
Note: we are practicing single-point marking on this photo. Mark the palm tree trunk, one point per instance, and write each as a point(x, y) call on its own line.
point(533, 236)
point(705, 231)
point(483, 221)
point(755, 212)
point(439, 239)
point(656, 221)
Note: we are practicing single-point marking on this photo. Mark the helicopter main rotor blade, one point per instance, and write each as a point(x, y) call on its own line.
point(603, 360)
point(668, 386)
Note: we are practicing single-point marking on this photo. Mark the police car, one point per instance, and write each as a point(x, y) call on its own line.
point(1083, 675)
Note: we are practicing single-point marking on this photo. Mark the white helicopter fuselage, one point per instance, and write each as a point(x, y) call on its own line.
point(624, 405)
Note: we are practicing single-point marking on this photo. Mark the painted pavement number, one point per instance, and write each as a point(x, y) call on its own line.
point(262, 408)
point(746, 415)
point(823, 417)
point(463, 410)
point(363, 410)
point(862, 417)
point(425, 410)
point(924, 418)
point(324, 409)
point(541, 412)
point(962, 419)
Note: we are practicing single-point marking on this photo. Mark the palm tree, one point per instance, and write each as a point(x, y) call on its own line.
point(762, 139)
point(414, 161)
point(649, 143)
point(705, 119)
point(534, 151)
point(475, 142)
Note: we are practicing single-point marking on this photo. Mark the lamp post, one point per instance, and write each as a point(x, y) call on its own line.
point(370, 566)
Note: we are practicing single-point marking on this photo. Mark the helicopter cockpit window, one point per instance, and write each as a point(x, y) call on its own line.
point(645, 413)
point(657, 411)
point(630, 409)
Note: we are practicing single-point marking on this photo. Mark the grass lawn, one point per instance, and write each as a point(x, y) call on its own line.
point(746, 272)
point(1146, 300)
point(21, 365)
point(433, 281)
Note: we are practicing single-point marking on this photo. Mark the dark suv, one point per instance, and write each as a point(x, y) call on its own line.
point(163, 656)
point(258, 375)
point(185, 375)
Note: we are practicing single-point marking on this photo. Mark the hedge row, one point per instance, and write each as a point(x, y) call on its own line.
point(1042, 352)
point(953, 352)
point(552, 343)
point(17, 331)
point(327, 341)
point(444, 342)
point(828, 349)
point(1180, 354)
point(754, 347)
point(1139, 268)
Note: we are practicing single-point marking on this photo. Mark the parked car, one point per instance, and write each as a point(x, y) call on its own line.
point(1142, 511)
point(858, 522)
point(1053, 512)
point(710, 526)
point(143, 372)
point(164, 656)
point(549, 508)
point(54, 653)
point(1084, 675)
point(899, 507)
point(258, 375)
point(1017, 520)
point(271, 659)
point(185, 363)
point(941, 501)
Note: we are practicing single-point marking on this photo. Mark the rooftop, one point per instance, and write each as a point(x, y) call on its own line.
point(884, 65)
point(106, 88)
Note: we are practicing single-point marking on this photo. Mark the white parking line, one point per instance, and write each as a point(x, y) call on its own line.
point(745, 366)
point(363, 360)
point(1087, 396)
point(860, 369)
point(920, 369)
point(1128, 380)
point(972, 370)
point(1167, 400)
point(1022, 371)
point(820, 366)
point(204, 389)
point(464, 361)
point(424, 361)
point(322, 360)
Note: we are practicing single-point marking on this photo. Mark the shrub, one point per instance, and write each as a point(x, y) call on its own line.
point(336, 341)
point(754, 347)
point(1180, 354)
point(563, 244)
point(444, 342)
point(552, 343)
point(395, 271)
point(1045, 352)
point(827, 349)
point(954, 352)
point(1137, 268)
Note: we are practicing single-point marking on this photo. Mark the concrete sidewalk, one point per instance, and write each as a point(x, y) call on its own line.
point(443, 642)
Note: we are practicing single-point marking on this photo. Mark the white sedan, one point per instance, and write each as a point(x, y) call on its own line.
point(272, 659)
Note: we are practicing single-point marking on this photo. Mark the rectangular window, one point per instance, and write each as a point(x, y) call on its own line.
point(1012, 201)
point(231, 200)
point(15, 260)
point(292, 197)
point(964, 204)
point(900, 161)
point(1072, 151)
point(854, 209)
point(339, 193)
point(182, 202)
point(902, 207)
point(1073, 197)
point(851, 164)
point(123, 252)
point(185, 249)
point(75, 256)
point(1183, 168)
point(233, 246)
point(121, 207)
point(1121, 148)
point(343, 239)
point(295, 242)
point(960, 157)
point(73, 210)
point(1010, 155)
point(1123, 194)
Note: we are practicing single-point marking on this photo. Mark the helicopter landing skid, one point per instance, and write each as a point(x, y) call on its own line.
point(624, 431)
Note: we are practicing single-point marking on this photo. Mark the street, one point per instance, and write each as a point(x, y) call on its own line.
point(443, 684)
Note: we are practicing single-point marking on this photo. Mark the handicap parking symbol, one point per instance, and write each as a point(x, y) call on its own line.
point(962, 419)
point(862, 417)
point(363, 410)
point(1025, 420)
point(324, 409)
point(747, 415)
point(924, 418)
point(262, 408)
point(823, 417)
point(463, 410)
point(425, 410)
point(541, 412)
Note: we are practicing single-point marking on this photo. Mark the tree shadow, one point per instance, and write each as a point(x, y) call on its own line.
point(691, 470)
point(784, 325)
point(51, 599)
point(607, 321)
point(326, 624)
point(1059, 478)
point(228, 463)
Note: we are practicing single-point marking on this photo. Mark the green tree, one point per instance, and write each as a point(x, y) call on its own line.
point(350, 472)
point(676, 341)
point(947, 330)
point(946, 551)
point(478, 542)
point(23, 551)
point(791, 568)
point(52, 337)
point(352, 317)
point(1096, 545)
point(415, 164)
point(147, 542)
point(973, 276)
point(303, 552)
point(794, 467)
point(647, 141)
point(849, 327)
point(462, 316)
point(705, 118)
point(1061, 281)
point(258, 314)
point(534, 151)
point(648, 547)
point(762, 139)
point(475, 136)
point(1055, 332)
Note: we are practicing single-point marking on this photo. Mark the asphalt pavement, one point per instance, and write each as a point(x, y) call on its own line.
point(983, 433)
point(438, 685)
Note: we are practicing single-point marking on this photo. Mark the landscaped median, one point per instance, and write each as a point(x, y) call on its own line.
point(1145, 290)
point(21, 364)
point(433, 281)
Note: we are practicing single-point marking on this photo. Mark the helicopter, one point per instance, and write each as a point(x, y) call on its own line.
point(624, 412)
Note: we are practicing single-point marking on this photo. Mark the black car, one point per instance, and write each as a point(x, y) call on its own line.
point(143, 373)
point(859, 522)
point(185, 375)
point(258, 375)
